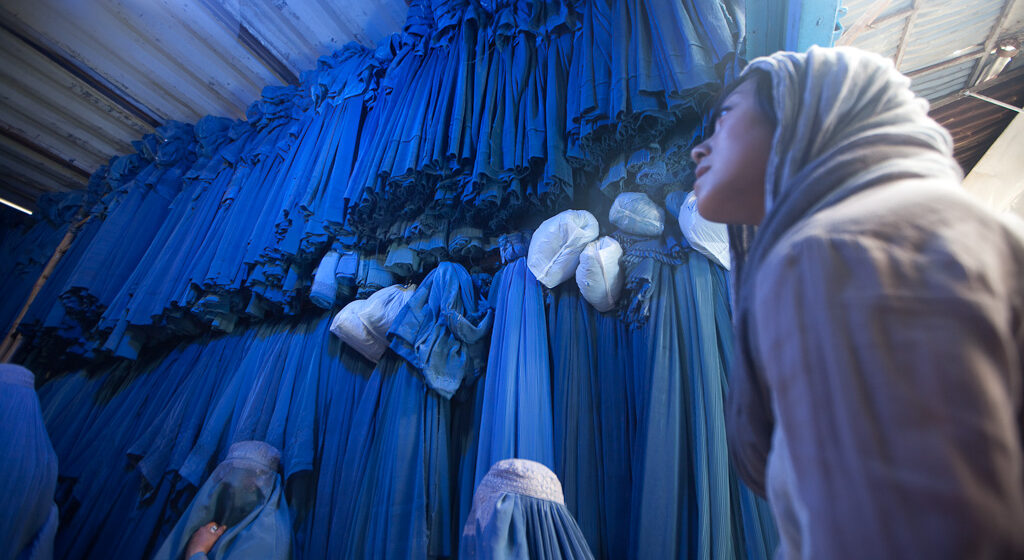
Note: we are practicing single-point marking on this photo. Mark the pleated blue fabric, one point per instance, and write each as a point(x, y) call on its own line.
point(338, 396)
point(188, 315)
point(98, 484)
point(384, 510)
point(616, 425)
point(686, 498)
point(515, 393)
point(579, 417)
point(467, 124)
point(293, 384)
point(29, 519)
point(397, 467)
point(125, 485)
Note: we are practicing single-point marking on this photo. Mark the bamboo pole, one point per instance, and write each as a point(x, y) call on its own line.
point(12, 342)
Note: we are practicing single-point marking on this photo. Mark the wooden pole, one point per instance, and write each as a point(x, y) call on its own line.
point(13, 340)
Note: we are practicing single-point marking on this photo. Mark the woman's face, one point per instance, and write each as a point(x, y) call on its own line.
point(731, 163)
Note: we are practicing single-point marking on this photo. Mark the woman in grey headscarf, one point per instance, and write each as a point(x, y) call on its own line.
point(239, 512)
point(877, 394)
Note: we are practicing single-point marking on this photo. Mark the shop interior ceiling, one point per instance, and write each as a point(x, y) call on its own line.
point(80, 80)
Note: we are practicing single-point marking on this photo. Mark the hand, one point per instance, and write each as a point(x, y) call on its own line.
point(204, 538)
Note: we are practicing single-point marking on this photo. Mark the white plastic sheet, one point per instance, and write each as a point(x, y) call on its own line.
point(383, 306)
point(599, 275)
point(709, 238)
point(352, 331)
point(363, 324)
point(556, 246)
point(635, 213)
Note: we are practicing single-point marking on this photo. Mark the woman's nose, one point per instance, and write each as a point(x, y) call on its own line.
point(699, 152)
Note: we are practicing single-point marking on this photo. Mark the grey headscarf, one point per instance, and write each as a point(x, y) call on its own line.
point(848, 122)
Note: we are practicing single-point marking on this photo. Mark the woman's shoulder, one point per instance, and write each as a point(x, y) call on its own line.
point(912, 234)
point(909, 212)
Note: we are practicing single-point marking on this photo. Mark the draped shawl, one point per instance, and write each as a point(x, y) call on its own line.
point(847, 122)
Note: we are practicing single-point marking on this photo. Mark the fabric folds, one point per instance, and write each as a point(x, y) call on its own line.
point(189, 312)
point(473, 120)
point(397, 460)
point(244, 492)
point(514, 396)
point(29, 519)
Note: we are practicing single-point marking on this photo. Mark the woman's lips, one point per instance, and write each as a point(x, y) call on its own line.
point(700, 171)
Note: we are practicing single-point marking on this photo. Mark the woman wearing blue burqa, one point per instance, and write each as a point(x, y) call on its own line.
point(877, 398)
point(519, 513)
point(242, 505)
point(28, 516)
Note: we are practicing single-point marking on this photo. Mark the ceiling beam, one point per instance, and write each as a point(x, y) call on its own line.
point(976, 53)
point(268, 58)
point(891, 17)
point(1016, 74)
point(864, 22)
point(249, 40)
point(994, 101)
point(990, 44)
point(27, 143)
point(901, 48)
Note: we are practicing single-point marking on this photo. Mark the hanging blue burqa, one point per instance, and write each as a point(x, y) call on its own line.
point(584, 456)
point(687, 501)
point(28, 515)
point(515, 399)
point(160, 450)
point(245, 493)
point(103, 485)
point(396, 474)
point(343, 376)
point(262, 384)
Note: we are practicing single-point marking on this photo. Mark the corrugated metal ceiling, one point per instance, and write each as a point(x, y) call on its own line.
point(975, 124)
point(81, 80)
point(947, 47)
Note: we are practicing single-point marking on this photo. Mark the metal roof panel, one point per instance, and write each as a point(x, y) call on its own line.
point(944, 30)
point(938, 84)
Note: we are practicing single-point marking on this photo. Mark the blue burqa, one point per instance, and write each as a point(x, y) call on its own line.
point(28, 516)
point(519, 514)
point(245, 493)
point(687, 501)
point(396, 474)
point(515, 404)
